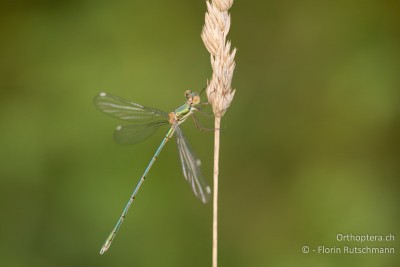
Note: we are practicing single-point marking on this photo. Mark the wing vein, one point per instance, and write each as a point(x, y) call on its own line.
point(190, 168)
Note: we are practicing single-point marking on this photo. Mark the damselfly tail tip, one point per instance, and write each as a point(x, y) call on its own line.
point(105, 247)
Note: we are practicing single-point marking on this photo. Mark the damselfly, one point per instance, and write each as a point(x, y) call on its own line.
point(145, 122)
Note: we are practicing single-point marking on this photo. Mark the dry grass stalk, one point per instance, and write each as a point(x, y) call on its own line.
point(219, 90)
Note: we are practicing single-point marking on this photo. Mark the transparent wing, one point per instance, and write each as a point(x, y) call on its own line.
point(123, 109)
point(135, 133)
point(191, 167)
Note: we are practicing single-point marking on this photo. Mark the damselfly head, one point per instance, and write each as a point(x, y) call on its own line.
point(188, 93)
point(193, 98)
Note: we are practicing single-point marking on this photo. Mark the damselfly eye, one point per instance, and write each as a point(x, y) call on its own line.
point(196, 100)
point(188, 93)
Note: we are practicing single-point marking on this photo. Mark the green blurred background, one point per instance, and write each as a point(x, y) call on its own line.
point(310, 145)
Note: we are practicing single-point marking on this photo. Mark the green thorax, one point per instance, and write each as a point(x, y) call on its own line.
point(183, 112)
